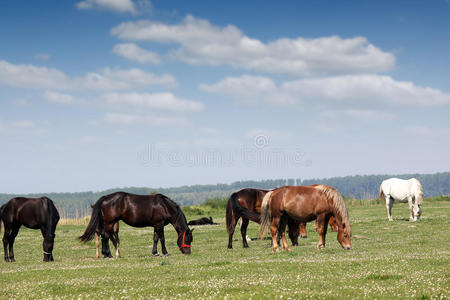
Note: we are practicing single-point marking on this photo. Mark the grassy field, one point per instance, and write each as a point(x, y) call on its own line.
point(389, 260)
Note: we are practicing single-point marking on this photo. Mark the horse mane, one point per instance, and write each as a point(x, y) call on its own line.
point(339, 207)
point(179, 218)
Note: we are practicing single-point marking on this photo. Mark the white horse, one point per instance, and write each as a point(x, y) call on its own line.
point(403, 190)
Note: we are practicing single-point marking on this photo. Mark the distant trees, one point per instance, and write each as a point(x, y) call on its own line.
point(76, 205)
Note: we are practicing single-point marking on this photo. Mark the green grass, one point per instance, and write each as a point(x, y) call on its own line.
point(389, 260)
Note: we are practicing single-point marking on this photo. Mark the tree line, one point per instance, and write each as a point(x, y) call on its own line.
point(76, 205)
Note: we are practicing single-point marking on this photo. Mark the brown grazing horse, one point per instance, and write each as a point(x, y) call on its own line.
point(138, 211)
point(246, 204)
point(34, 213)
point(305, 203)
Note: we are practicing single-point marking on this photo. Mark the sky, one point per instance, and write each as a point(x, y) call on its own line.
point(96, 94)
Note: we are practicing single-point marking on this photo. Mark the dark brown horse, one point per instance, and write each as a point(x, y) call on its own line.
point(34, 213)
point(202, 221)
point(305, 203)
point(246, 204)
point(138, 211)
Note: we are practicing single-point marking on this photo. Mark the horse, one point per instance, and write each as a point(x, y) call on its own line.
point(138, 211)
point(116, 236)
point(246, 204)
point(305, 203)
point(403, 191)
point(34, 213)
point(202, 221)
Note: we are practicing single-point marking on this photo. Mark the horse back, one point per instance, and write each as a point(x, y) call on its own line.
point(138, 210)
point(251, 199)
point(30, 212)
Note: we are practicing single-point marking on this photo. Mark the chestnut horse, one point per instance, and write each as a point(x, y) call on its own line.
point(138, 211)
point(34, 213)
point(246, 204)
point(305, 203)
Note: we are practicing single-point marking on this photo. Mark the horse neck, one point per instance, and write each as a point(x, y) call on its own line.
point(179, 221)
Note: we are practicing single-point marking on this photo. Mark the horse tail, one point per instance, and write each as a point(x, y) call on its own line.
point(2, 208)
point(339, 207)
point(53, 213)
point(238, 210)
point(229, 216)
point(419, 193)
point(96, 220)
point(381, 192)
point(266, 216)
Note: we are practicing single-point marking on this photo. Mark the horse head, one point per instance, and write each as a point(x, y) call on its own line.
point(184, 241)
point(417, 211)
point(344, 235)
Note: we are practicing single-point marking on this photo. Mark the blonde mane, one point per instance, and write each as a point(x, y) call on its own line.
point(340, 209)
point(265, 214)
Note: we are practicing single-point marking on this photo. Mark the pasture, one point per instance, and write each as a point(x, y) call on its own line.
point(389, 260)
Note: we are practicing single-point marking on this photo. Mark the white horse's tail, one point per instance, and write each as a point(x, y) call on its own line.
point(418, 194)
point(266, 216)
point(381, 192)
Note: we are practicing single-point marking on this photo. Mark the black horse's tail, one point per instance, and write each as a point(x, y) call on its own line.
point(229, 216)
point(241, 211)
point(96, 220)
point(52, 213)
point(1, 214)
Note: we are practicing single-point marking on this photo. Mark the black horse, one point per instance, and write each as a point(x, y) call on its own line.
point(202, 221)
point(137, 211)
point(34, 213)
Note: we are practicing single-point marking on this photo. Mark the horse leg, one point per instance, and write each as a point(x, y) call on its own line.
point(411, 212)
point(47, 245)
point(282, 231)
point(293, 230)
point(389, 203)
point(11, 238)
point(155, 243)
point(97, 246)
point(6, 242)
point(273, 231)
point(322, 226)
point(162, 239)
point(302, 229)
point(106, 234)
point(244, 232)
point(115, 240)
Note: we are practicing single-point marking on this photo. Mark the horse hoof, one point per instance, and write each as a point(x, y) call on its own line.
point(288, 249)
point(11, 259)
point(320, 247)
point(166, 254)
point(156, 254)
point(275, 250)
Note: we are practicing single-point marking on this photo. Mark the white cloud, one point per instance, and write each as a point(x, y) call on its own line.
point(151, 102)
point(200, 42)
point(358, 114)
point(23, 127)
point(30, 76)
point(43, 56)
point(147, 119)
point(120, 6)
point(135, 53)
point(59, 98)
point(347, 89)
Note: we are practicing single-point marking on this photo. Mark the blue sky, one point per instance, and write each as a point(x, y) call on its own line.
point(97, 94)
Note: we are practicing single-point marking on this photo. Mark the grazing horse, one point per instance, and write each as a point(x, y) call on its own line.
point(34, 213)
point(202, 221)
point(246, 204)
point(305, 203)
point(116, 236)
point(403, 190)
point(138, 211)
